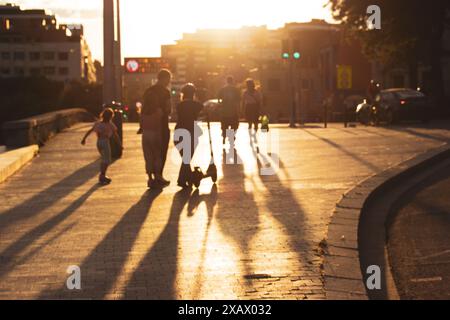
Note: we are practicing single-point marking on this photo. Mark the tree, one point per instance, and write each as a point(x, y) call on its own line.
point(411, 33)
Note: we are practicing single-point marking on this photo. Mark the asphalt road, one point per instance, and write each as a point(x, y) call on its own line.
point(419, 241)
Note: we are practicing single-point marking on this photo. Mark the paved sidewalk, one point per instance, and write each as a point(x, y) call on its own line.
point(419, 242)
point(251, 237)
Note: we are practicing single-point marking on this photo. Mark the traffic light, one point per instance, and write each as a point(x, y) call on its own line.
point(285, 54)
point(296, 49)
point(291, 52)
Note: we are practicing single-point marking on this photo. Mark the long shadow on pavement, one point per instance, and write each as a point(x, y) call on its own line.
point(30, 237)
point(237, 212)
point(155, 276)
point(364, 162)
point(285, 208)
point(210, 200)
point(416, 133)
point(46, 198)
point(102, 267)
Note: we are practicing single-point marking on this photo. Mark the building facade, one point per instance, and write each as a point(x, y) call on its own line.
point(330, 69)
point(211, 55)
point(208, 56)
point(33, 44)
point(139, 74)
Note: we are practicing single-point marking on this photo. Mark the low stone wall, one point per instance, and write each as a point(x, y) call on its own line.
point(13, 161)
point(38, 129)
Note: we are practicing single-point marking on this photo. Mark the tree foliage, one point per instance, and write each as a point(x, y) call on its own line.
point(26, 97)
point(411, 32)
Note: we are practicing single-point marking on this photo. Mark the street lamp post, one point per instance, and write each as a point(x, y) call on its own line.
point(291, 53)
point(112, 77)
point(287, 55)
point(296, 78)
point(292, 80)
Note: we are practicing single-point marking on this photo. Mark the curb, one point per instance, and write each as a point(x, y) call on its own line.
point(348, 231)
point(13, 161)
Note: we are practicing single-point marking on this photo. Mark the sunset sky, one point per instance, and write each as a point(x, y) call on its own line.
point(147, 24)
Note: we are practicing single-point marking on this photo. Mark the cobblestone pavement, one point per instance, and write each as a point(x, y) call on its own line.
point(250, 237)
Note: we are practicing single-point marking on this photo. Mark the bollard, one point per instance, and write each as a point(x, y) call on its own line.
point(116, 150)
point(345, 117)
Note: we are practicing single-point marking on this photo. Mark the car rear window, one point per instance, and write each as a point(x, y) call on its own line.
point(410, 94)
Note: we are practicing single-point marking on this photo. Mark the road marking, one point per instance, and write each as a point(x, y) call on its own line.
point(433, 255)
point(434, 279)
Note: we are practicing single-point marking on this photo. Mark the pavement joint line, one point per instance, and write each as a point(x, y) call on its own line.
point(433, 255)
point(366, 192)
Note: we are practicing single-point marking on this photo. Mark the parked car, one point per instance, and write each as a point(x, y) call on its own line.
point(395, 105)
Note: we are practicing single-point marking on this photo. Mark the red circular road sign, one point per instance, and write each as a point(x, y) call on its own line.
point(132, 66)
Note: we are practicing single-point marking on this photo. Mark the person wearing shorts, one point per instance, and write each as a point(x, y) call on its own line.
point(155, 130)
point(105, 130)
point(104, 148)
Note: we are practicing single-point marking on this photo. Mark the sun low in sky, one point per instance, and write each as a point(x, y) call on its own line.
point(146, 24)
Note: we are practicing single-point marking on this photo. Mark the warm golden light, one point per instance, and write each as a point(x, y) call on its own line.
point(148, 24)
point(145, 26)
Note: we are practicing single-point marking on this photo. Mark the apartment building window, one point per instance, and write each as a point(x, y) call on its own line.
point(18, 71)
point(6, 56)
point(19, 55)
point(63, 56)
point(35, 72)
point(63, 71)
point(49, 55)
point(49, 71)
point(35, 56)
point(5, 71)
point(8, 24)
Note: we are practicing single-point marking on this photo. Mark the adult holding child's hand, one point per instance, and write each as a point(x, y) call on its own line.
point(155, 129)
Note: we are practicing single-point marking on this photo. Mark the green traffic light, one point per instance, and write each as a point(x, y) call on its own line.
point(297, 55)
point(285, 55)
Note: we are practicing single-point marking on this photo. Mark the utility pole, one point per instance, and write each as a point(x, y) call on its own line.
point(292, 85)
point(112, 70)
point(296, 55)
point(289, 55)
